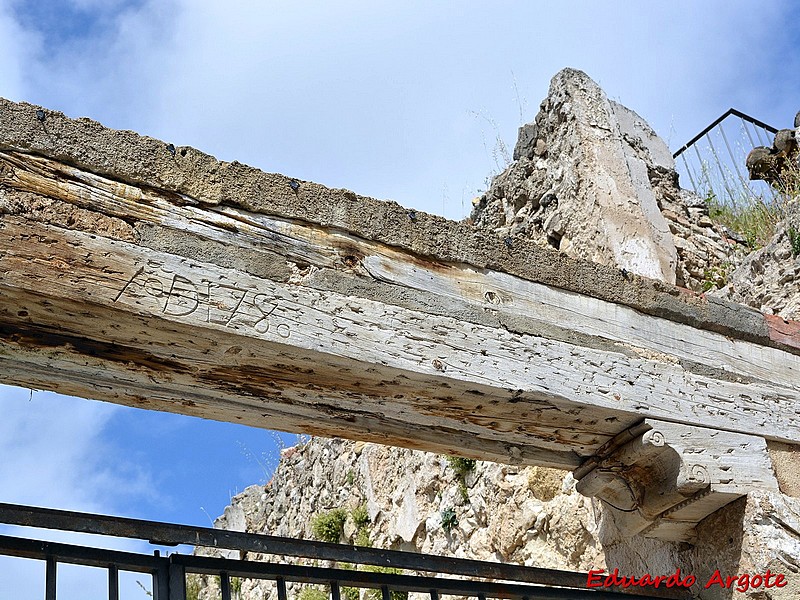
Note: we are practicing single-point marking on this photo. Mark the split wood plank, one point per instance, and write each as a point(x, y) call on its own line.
point(447, 369)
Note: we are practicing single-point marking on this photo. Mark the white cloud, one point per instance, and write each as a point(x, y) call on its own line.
point(17, 49)
point(59, 452)
point(380, 98)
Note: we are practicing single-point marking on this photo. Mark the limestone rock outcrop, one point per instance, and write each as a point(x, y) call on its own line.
point(591, 178)
point(523, 515)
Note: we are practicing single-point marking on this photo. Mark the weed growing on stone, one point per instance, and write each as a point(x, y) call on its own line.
point(716, 276)
point(329, 526)
point(755, 216)
point(360, 516)
point(462, 466)
point(313, 593)
point(193, 585)
point(362, 538)
point(350, 593)
point(794, 240)
point(236, 586)
point(752, 217)
point(449, 519)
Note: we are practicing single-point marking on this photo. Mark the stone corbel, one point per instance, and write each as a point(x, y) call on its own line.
point(660, 479)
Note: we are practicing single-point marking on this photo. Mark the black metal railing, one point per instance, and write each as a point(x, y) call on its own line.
point(169, 573)
point(713, 161)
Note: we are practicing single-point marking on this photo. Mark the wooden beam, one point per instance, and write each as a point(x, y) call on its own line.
point(160, 297)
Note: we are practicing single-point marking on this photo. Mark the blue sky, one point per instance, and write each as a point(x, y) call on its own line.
point(397, 100)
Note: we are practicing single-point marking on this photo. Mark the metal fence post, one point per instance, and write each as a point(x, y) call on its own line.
point(50, 578)
point(113, 582)
point(177, 581)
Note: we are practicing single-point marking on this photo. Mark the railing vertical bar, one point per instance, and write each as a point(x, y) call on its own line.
point(733, 159)
point(719, 168)
point(177, 582)
point(385, 593)
point(434, 594)
point(747, 131)
point(758, 135)
point(703, 170)
point(113, 582)
point(281, 588)
point(51, 567)
point(161, 578)
point(225, 585)
point(689, 172)
point(336, 593)
point(693, 176)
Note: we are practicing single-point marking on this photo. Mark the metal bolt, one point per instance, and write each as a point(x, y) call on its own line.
point(40, 115)
point(508, 241)
point(294, 184)
point(412, 214)
point(171, 149)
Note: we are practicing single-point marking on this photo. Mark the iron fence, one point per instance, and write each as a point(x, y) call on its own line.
point(432, 575)
point(713, 161)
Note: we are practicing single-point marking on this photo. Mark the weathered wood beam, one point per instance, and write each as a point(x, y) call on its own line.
point(139, 273)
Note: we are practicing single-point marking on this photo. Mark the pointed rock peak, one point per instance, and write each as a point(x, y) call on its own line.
point(581, 182)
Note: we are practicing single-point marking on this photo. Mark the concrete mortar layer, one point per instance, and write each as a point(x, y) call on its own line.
point(131, 158)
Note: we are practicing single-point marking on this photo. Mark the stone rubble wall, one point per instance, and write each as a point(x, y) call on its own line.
point(591, 178)
point(769, 279)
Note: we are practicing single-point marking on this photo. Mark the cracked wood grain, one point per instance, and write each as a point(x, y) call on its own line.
point(352, 361)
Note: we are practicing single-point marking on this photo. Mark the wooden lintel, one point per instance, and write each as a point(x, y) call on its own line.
point(158, 296)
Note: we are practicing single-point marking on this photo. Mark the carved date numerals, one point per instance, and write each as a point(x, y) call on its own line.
point(220, 303)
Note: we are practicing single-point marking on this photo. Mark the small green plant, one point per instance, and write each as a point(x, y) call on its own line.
point(751, 217)
point(351, 477)
point(193, 586)
point(236, 585)
point(350, 593)
point(461, 465)
point(463, 492)
point(313, 593)
point(794, 240)
point(329, 526)
point(449, 519)
point(360, 515)
point(362, 538)
point(755, 216)
point(716, 276)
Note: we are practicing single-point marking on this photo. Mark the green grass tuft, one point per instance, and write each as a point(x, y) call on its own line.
point(329, 526)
